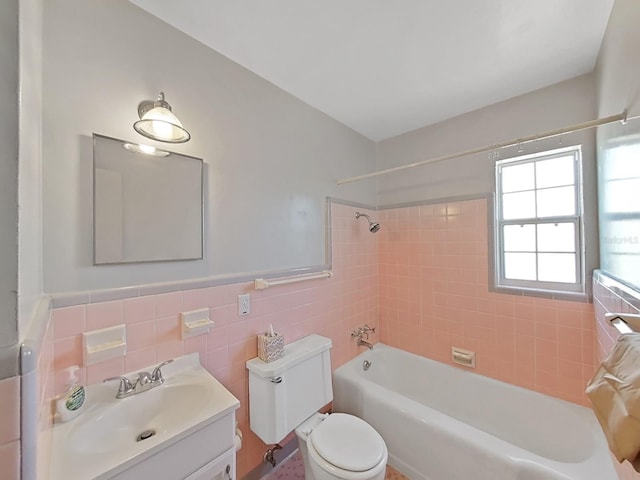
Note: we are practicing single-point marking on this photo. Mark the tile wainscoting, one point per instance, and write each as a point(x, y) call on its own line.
point(10, 428)
point(331, 307)
point(423, 279)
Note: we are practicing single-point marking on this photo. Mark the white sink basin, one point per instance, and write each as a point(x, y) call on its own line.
point(103, 440)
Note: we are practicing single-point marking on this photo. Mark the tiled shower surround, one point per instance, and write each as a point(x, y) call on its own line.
point(434, 294)
point(422, 279)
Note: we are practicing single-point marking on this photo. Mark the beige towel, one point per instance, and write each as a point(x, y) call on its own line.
point(614, 392)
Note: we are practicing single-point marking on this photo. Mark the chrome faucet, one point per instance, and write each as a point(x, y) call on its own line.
point(363, 331)
point(156, 374)
point(125, 389)
point(145, 381)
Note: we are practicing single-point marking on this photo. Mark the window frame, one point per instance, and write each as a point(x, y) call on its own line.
point(577, 219)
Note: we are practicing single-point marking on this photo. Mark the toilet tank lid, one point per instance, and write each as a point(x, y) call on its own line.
point(294, 353)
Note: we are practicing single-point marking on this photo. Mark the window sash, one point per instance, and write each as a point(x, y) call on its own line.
point(541, 284)
point(575, 220)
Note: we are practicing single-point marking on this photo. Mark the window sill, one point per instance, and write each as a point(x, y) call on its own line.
point(581, 297)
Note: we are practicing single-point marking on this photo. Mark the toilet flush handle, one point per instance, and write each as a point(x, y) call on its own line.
point(276, 380)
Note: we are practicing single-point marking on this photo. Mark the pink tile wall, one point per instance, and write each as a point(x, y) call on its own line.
point(606, 299)
point(45, 375)
point(10, 428)
point(40, 408)
point(330, 307)
point(423, 279)
point(434, 294)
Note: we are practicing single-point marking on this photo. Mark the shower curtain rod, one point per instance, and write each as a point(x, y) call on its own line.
point(621, 117)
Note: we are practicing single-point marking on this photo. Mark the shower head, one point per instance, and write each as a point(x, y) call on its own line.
point(373, 226)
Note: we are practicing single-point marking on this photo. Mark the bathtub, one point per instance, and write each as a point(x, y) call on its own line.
point(444, 423)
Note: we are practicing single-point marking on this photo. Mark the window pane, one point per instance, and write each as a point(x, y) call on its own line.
point(622, 196)
point(556, 237)
point(517, 178)
point(520, 266)
point(621, 162)
point(518, 205)
point(553, 202)
point(557, 267)
point(555, 172)
point(621, 237)
point(519, 238)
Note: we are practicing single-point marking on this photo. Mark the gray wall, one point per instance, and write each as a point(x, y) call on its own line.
point(8, 174)
point(553, 107)
point(267, 152)
point(618, 89)
point(618, 66)
point(557, 106)
point(30, 176)
point(271, 159)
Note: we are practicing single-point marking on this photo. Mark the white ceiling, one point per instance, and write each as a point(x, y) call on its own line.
point(387, 67)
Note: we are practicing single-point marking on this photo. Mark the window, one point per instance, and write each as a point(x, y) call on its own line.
point(539, 243)
point(619, 184)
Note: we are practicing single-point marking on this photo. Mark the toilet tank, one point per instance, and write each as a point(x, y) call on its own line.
point(284, 393)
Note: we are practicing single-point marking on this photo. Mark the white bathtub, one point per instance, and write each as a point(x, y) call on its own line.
point(443, 423)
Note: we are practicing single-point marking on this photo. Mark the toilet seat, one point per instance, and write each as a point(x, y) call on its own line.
point(347, 447)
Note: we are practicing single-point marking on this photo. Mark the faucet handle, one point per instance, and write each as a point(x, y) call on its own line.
point(125, 388)
point(156, 374)
point(367, 328)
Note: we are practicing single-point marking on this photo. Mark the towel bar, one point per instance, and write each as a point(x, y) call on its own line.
point(261, 283)
point(624, 322)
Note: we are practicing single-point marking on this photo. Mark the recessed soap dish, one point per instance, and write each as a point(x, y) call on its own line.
point(466, 358)
point(104, 344)
point(195, 322)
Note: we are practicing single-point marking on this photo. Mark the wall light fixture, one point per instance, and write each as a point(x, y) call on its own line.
point(158, 122)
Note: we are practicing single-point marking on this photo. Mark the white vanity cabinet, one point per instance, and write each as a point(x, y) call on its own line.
point(222, 468)
point(202, 455)
point(183, 428)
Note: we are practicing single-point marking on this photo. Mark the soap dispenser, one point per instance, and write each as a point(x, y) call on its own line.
point(70, 403)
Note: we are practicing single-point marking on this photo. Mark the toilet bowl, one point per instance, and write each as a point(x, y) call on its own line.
point(286, 394)
point(341, 447)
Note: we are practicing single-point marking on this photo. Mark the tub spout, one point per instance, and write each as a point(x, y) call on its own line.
point(364, 343)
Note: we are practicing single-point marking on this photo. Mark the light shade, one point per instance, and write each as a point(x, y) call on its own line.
point(158, 122)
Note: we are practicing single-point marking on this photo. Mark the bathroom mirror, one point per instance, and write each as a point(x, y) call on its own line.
point(147, 203)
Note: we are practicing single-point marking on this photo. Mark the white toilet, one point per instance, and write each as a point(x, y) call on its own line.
point(286, 394)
